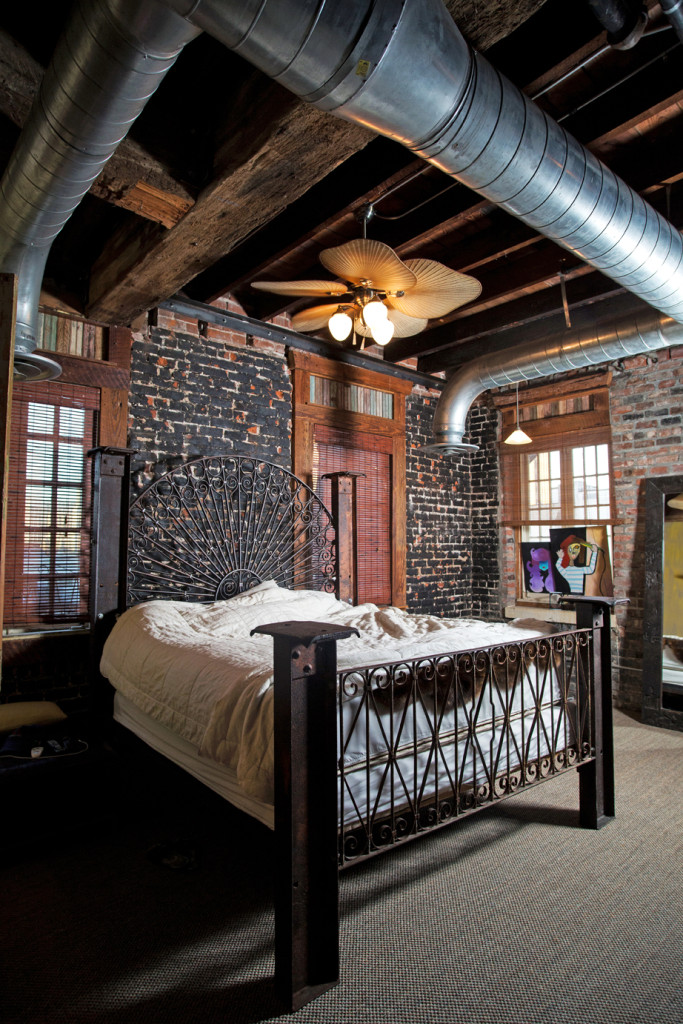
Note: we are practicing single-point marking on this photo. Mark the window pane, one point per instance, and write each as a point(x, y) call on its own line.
point(71, 422)
point(39, 459)
point(69, 507)
point(48, 511)
point(591, 491)
point(70, 462)
point(41, 418)
point(38, 508)
point(543, 485)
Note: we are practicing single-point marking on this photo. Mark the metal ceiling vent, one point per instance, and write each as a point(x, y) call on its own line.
point(107, 64)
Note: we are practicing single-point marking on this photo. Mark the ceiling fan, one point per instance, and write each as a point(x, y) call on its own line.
point(376, 295)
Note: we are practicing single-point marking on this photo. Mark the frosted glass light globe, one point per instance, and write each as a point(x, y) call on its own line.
point(383, 332)
point(374, 313)
point(340, 325)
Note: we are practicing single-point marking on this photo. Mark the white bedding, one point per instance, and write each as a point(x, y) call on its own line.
point(195, 669)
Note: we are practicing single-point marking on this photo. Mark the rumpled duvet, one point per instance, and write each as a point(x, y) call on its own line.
point(195, 668)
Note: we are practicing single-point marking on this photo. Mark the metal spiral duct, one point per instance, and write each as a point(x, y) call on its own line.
point(569, 350)
point(110, 60)
point(400, 67)
point(404, 69)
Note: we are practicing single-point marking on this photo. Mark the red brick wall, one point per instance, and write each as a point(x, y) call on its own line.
point(646, 403)
point(646, 408)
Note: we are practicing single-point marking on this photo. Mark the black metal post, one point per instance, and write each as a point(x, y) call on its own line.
point(596, 777)
point(305, 760)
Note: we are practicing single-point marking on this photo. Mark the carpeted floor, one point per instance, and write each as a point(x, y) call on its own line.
point(515, 915)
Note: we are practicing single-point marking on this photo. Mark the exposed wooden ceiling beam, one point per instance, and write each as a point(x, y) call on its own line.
point(293, 151)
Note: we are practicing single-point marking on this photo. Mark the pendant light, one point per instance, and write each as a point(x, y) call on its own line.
point(517, 436)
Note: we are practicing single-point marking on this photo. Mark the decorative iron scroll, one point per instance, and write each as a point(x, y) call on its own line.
point(424, 741)
point(219, 525)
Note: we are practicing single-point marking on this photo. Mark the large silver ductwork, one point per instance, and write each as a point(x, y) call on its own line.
point(399, 67)
point(108, 63)
point(568, 350)
point(404, 70)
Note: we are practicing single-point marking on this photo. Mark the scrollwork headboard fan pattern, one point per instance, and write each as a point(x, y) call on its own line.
point(218, 525)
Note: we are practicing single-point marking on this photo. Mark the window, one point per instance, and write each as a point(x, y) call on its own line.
point(348, 418)
point(557, 487)
point(49, 502)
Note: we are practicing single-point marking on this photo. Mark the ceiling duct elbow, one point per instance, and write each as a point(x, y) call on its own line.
point(122, 50)
point(566, 351)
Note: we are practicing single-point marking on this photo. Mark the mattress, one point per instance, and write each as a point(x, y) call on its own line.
point(193, 679)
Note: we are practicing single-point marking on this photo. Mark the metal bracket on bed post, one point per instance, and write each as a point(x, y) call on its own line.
point(305, 762)
point(344, 515)
point(596, 777)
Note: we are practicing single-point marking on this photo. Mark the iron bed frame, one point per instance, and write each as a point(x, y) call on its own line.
point(216, 526)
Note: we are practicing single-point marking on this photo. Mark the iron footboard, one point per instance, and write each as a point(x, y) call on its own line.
point(443, 736)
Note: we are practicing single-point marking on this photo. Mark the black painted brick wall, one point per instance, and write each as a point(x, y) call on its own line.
point(192, 397)
point(452, 566)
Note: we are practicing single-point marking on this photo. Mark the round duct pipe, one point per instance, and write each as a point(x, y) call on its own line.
point(404, 70)
point(569, 350)
point(110, 60)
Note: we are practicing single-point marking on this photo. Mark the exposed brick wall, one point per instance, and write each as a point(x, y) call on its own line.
point(646, 404)
point(487, 600)
point(194, 395)
point(452, 562)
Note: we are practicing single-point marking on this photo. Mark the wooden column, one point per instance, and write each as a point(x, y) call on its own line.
point(8, 312)
point(305, 769)
point(345, 517)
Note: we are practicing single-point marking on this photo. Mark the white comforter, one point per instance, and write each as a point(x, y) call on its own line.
point(196, 669)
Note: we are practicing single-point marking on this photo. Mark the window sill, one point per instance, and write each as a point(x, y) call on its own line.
point(560, 616)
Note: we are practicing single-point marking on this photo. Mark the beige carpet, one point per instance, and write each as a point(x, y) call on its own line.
point(515, 915)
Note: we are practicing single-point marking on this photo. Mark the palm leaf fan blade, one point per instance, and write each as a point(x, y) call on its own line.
point(438, 290)
point(406, 326)
point(301, 287)
point(368, 262)
point(315, 318)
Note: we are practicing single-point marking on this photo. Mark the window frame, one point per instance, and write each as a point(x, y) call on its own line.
point(111, 380)
point(306, 414)
point(564, 432)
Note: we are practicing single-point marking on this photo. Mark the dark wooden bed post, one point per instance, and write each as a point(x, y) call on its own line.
point(344, 509)
point(109, 543)
point(596, 777)
point(305, 760)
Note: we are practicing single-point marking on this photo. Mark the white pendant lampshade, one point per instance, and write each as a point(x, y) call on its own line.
point(517, 436)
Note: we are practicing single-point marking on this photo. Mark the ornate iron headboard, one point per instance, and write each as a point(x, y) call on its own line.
point(219, 525)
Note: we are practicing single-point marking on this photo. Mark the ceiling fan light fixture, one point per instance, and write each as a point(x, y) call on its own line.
point(382, 332)
point(339, 325)
point(375, 313)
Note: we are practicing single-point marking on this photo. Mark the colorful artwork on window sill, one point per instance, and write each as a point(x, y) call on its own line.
point(575, 560)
